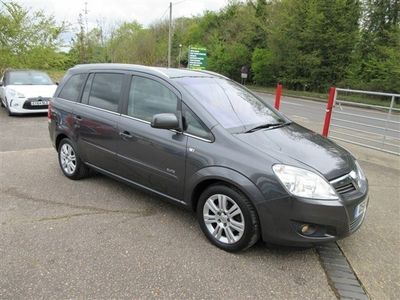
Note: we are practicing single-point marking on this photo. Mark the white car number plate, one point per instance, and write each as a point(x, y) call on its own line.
point(360, 209)
point(39, 103)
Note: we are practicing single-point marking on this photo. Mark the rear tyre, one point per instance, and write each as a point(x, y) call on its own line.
point(228, 218)
point(70, 163)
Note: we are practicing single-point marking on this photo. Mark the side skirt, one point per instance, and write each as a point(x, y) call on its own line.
point(138, 185)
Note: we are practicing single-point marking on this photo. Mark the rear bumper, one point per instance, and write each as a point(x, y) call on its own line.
point(282, 219)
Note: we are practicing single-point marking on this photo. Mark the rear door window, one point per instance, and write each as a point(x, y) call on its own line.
point(106, 91)
point(148, 97)
point(72, 88)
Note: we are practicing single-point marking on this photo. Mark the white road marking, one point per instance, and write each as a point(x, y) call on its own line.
point(299, 117)
point(290, 103)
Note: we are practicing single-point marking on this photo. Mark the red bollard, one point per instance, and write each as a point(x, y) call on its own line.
point(278, 95)
point(328, 111)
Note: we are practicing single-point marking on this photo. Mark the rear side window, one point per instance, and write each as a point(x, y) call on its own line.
point(86, 90)
point(106, 91)
point(72, 88)
point(148, 97)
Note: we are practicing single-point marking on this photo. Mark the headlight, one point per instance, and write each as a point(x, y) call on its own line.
point(360, 175)
point(303, 183)
point(14, 94)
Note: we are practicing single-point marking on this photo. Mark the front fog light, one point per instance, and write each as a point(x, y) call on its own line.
point(308, 229)
point(304, 183)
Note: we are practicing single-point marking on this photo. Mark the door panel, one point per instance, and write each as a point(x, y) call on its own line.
point(152, 157)
point(97, 135)
point(96, 118)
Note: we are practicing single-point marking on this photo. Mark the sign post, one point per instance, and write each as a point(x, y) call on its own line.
point(197, 59)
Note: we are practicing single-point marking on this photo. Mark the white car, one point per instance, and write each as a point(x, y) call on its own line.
point(26, 91)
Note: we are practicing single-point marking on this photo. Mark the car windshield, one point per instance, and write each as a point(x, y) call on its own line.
point(232, 106)
point(29, 78)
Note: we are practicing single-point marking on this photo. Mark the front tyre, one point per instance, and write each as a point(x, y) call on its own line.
point(228, 218)
point(8, 109)
point(70, 163)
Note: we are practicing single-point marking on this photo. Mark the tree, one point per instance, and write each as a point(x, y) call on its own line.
point(376, 64)
point(313, 41)
point(263, 66)
point(28, 39)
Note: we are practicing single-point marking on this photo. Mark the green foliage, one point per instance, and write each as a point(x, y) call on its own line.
point(263, 66)
point(308, 45)
point(313, 41)
point(28, 39)
point(376, 61)
point(228, 59)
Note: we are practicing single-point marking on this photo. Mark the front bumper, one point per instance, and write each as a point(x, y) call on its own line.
point(282, 219)
point(23, 106)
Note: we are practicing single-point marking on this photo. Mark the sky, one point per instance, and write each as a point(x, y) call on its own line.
point(110, 13)
point(117, 11)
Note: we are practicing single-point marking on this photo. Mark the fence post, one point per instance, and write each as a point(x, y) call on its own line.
point(278, 95)
point(328, 111)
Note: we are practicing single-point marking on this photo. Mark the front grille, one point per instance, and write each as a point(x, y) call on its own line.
point(345, 188)
point(343, 184)
point(27, 104)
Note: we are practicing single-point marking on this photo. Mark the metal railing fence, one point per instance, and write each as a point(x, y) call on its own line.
point(368, 125)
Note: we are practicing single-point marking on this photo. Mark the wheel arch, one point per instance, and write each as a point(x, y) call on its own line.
point(213, 175)
point(59, 138)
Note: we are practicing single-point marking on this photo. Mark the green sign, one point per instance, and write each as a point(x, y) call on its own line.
point(197, 58)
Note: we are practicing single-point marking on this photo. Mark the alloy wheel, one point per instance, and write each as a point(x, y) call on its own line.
point(68, 159)
point(223, 218)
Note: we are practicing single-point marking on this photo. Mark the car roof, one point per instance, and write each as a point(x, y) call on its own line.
point(158, 71)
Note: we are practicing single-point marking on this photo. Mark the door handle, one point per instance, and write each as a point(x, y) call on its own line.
point(125, 134)
point(77, 119)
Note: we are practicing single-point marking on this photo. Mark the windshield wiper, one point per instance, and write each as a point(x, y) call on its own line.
point(268, 125)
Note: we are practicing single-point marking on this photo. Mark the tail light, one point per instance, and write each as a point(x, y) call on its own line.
point(49, 111)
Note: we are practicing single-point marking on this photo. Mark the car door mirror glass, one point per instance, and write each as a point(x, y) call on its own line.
point(165, 121)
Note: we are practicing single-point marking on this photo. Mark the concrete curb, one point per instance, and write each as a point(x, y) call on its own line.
point(341, 276)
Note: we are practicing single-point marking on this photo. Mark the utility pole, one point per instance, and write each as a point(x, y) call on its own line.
point(86, 17)
point(170, 35)
point(86, 47)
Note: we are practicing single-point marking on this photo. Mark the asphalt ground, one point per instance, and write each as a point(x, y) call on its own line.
point(98, 238)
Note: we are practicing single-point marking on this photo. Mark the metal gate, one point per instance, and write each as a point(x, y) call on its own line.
point(372, 126)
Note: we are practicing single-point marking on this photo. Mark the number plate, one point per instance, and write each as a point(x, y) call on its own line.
point(39, 103)
point(360, 209)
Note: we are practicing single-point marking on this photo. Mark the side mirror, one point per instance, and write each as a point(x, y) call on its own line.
point(165, 121)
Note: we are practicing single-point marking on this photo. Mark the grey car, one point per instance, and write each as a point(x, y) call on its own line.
point(202, 141)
